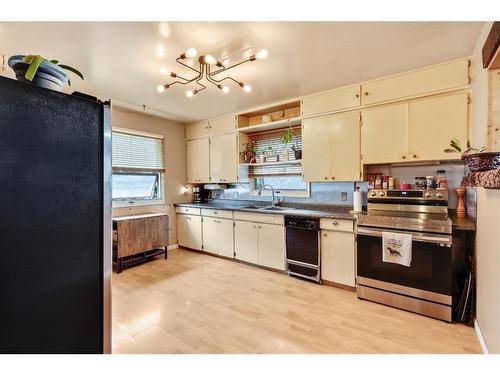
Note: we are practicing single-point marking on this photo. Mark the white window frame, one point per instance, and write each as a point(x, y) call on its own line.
point(116, 203)
point(282, 192)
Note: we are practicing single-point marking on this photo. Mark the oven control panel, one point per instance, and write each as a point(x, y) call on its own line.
point(431, 194)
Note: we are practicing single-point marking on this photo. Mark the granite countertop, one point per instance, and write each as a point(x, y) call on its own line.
point(324, 211)
point(462, 223)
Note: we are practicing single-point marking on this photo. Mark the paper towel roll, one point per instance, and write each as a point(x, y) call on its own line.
point(357, 201)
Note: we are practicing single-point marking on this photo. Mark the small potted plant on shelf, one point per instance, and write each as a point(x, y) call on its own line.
point(476, 158)
point(287, 138)
point(41, 72)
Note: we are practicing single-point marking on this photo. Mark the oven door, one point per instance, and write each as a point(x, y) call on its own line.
point(431, 265)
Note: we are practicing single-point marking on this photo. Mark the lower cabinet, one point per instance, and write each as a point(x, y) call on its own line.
point(189, 231)
point(218, 236)
point(259, 243)
point(337, 257)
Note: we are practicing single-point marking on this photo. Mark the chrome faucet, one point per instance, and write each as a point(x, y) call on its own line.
point(272, 191)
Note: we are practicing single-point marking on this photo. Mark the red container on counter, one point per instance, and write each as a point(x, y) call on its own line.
point(404, 186)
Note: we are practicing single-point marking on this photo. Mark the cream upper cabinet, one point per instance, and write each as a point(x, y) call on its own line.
point(190, 231)
point(197, 152)
point(245, 241)
point(432, 79)
point(222, 124)
point(337, 257)
point(330, 146)
point(197, 129)
point(271, 246)
point(433, 122)
point(223, 158)
point(384, 134)
point(334, 100)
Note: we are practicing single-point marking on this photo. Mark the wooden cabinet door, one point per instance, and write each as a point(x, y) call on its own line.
point(433, 122)
point(271, 246)
point(222, 124)
point(337, 257)
point(197, 154)
point(316, 148)
point(225, 236)
point(345, 147)
point(454, 74)
point(384, 134)
point(333, 100)
point(223, 158)
point(197, 129)
point(182, 230)
point(210, 234)
point(195, 232)
point(245, 241)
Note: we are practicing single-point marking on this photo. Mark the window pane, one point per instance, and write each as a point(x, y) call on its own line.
point(135, 186)
point(282, 182)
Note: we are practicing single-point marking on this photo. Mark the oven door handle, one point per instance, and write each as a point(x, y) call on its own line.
point(445, 240)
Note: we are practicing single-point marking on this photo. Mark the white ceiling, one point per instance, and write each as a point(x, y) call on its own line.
point(121, 61)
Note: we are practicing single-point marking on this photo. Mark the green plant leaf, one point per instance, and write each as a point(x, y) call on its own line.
point(32, 69)
point(71, 69)
point(54, 61)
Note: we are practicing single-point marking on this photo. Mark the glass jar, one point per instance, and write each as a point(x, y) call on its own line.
point(429, 181)
point(420, 183)
point(442, 182)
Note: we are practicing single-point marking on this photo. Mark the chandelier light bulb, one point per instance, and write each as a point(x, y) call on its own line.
point(262, 54)
point(209, 59)
point(191, 52)
point(225, 89)
point(160, 88)
point(247, 88)
point(189, 94)
point(164, 71)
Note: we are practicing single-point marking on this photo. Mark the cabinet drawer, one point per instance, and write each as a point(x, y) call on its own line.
point(338, 225)
point(217, 213)
point(188, 210)
point(334, 100)
point(260, 218)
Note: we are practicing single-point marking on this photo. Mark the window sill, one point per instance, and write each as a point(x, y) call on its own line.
point(118, 203)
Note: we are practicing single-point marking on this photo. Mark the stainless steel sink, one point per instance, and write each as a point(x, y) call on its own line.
point(252, 207)
point(271, 208)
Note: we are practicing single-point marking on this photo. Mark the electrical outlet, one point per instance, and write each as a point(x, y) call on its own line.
point(236, 195)
point(343, 196)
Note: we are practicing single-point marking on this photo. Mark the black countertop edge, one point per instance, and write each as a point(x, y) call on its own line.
point(462, 223)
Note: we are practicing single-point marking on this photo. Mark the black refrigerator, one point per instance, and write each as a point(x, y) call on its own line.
point(55, 221)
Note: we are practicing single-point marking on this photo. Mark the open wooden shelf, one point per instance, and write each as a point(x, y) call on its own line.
point(286, 162)
point(280, 124)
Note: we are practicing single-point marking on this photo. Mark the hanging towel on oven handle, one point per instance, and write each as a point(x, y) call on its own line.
point(396, 248)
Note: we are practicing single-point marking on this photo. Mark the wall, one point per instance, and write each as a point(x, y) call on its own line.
point(175, 162)
point(479, 89)
point(494, 110)
point(487, 267)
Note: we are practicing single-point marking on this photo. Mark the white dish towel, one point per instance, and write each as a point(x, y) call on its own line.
point(396, 248)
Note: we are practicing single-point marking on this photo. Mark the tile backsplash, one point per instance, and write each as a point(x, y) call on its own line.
point(331, 192)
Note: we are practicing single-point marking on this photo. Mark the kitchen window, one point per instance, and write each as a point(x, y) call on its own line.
point(138, 168)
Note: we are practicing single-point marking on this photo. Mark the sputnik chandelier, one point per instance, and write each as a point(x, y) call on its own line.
point(205, 71)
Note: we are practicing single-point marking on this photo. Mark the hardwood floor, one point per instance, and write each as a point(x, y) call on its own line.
point(197, 303)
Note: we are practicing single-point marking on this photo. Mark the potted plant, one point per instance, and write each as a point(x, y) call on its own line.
point(476, 158)
point(287, 138)
point(41, 72)
point(269, 152)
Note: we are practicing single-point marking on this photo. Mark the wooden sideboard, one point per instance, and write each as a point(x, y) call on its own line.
point(136, 238)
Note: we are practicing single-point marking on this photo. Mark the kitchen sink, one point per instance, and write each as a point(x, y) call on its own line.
point(276, 208)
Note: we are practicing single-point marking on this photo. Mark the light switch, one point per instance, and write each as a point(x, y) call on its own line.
point(343, 196)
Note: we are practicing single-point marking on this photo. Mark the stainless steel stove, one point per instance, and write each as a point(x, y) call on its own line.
point(426, 287)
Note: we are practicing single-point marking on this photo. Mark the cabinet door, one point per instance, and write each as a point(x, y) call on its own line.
point(344, 147)
point(433, 122)
point(432, 79)
point(316, 148)
point(225, 238)
point(223, 158)
point(384, 134)
point(337, 257)
point(197, 153)
point(334, 100)
point(182, 231)
point(210, 234)
point(222, 124)
point(197, 129)
point(245, 241)
point(271, 246)
point(195, 232)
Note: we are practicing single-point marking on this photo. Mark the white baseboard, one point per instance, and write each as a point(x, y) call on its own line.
point(480, 337)
point(172, 247)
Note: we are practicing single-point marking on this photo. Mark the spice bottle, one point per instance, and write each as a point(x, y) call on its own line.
point(442, 182)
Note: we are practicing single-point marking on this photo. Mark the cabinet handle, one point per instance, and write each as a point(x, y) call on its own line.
point(333, 178)
point(326, 178)
point(260, 227)
point(414, 156)
point(403, 157)
point(324, 234)
point(255, 226)
point(215, 212)
point(366, 93)
point(335, 223)
point(357, 95)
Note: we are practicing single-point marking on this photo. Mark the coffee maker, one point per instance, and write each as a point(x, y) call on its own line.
point(199, 194)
